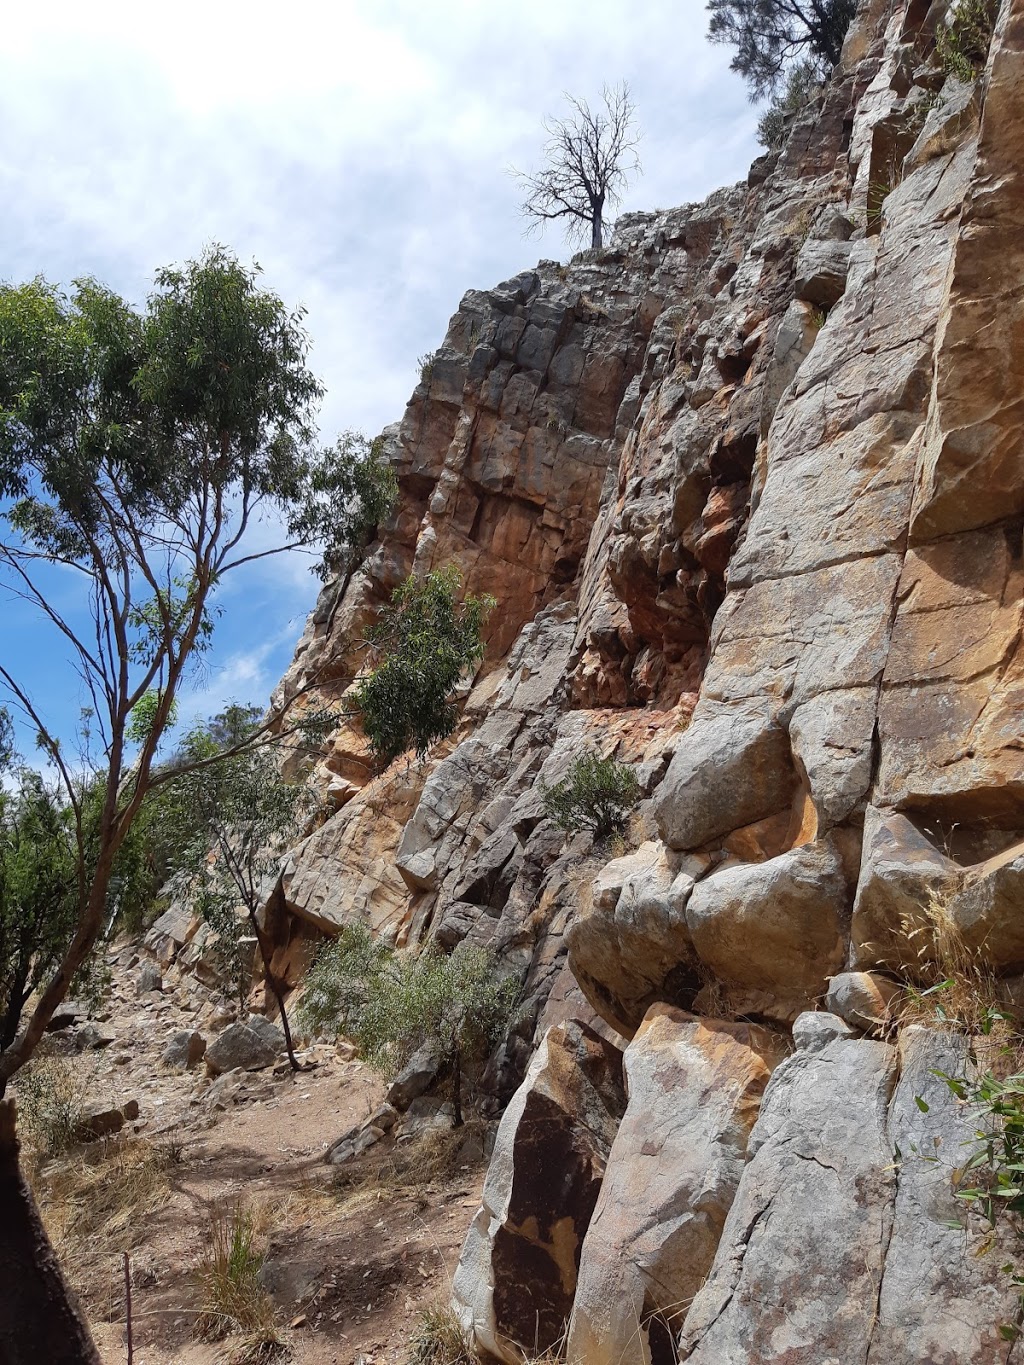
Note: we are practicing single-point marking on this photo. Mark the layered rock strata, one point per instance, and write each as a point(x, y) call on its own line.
point(748, 488)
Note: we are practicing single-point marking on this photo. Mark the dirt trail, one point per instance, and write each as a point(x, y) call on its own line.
point(352, 1253)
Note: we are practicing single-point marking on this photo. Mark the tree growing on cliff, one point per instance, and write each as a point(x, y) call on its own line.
point(422, 644)
point(137, 449)
point(769, 36)
point(596, 794)
point(590, 155)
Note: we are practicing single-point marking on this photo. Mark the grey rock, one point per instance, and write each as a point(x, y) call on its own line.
point(185, 1050)
point(816, 1193)
point(731, 767)
point(864, 999)
point(415, 1078)
point(263, 1028)
point(901, 873)
point(149, 979)
point(815, 1029)
point(775, 926)
point(821, 271)
point(240, 1046)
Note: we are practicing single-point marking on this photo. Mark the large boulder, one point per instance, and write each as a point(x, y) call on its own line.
point(241, 1045)
point(902, 873)
point(774, 926)
point(634, 947)
point(732, 767)
point(797, 1271)
point(516, 1276)
point(694, 1089)
point(939, 1300)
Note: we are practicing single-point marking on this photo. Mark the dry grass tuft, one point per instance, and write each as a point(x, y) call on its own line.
point(439, 1157)
point(439, 1339)
point(954, 987)
point(232, 1297)
point(101, 1197)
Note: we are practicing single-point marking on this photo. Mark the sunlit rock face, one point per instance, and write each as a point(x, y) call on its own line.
point(749, 491)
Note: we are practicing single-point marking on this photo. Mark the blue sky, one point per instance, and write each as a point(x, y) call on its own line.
point(358, 151)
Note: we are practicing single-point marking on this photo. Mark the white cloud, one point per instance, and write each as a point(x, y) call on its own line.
point(356, 148)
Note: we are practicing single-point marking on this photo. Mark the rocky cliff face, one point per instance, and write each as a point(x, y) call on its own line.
point(749, 490)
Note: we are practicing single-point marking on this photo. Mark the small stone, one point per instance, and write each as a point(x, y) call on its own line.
point(863, 999)
point(814, 1030)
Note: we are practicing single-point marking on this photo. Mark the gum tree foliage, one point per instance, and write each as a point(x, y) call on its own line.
point(39, 883)
point(421, 645)
point(243, 812)
point(137, 449)
point(390, 1003)
point(802, 83)
point(590, 156)
point(596, 794)
point(770, 35)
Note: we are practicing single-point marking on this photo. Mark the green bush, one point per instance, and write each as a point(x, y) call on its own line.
point(597, 794)
point(391, 1004)
point(962, 43)
point(423, 643)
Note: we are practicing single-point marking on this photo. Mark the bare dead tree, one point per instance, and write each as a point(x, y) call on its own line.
point(590, 156)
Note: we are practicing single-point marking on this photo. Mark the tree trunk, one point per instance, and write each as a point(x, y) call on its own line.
point(275, 987)
point(597, 229)
point(457, 1089)
point(40, 1320)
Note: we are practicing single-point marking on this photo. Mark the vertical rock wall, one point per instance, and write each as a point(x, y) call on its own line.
point(748, 488)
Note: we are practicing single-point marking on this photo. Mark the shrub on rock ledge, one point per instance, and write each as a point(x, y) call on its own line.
point(596, 794)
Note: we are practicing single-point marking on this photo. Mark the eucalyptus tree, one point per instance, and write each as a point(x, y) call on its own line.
point(771, 37)
point(139, 448)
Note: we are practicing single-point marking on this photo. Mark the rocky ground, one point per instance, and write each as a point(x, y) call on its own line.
point(353, 1253)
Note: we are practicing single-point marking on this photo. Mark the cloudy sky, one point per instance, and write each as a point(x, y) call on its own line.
point(357, 149)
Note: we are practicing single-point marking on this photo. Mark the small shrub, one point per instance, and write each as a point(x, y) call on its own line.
point(439, 1339)
point(962, 43)
point(50, 1099)
point(990, 1182)
point(232, 1299)
point(338, 984)
point(391, 1004)
point(425, 364)
point(597, 794)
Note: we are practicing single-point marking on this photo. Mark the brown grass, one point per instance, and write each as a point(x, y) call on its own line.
point(100, 1197)
point(436, 1159)
point(439, 1339)
point(954, 988)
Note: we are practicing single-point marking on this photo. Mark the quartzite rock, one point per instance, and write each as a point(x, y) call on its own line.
point(775, 926)
point(799, 1266)
point(241, 1046)
point(517, 1273)
point(634, 947)
point(694, 1089)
